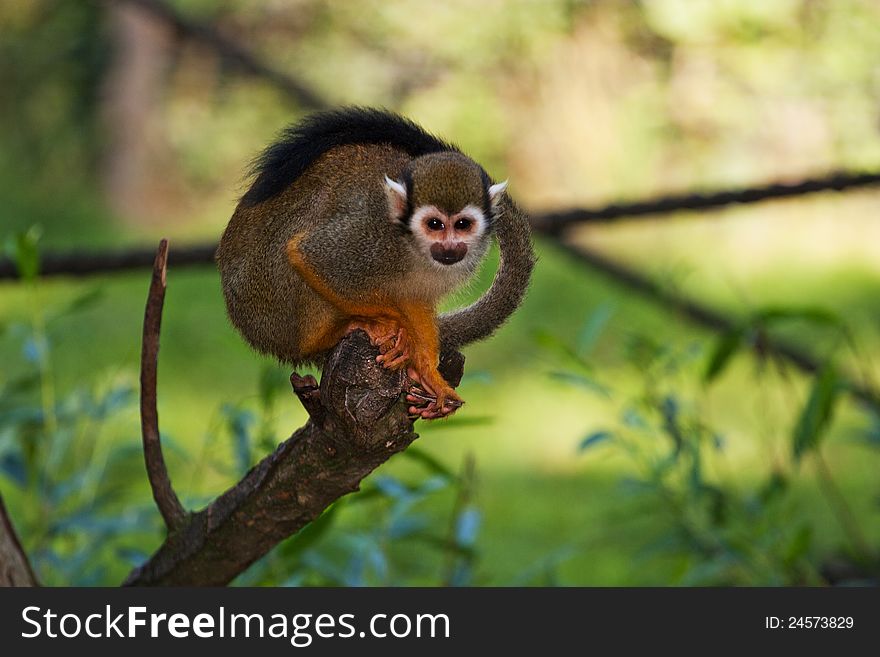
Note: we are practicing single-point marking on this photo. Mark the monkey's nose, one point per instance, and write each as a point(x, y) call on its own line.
point(448, 255)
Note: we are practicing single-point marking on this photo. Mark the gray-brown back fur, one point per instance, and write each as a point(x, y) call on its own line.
point(340, 202)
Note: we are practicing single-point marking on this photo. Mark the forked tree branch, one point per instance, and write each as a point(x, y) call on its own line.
point(358, 420)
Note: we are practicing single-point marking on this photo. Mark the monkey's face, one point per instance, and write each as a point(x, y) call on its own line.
point(448, 239)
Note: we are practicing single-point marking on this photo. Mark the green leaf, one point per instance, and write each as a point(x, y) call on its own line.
point(554, 344)
point(481, 377)
point(725, 347)
point(593, 328)
point(405, 526)
point(776, 486)
point(13, 467)
point(810, 314)
point(631, 417)
point(311, 533)
point(82, 302)
point(35, 349)
point(799, 544)
point(870, 435)
point(817, 412)
point(392, 487)
point(467, 525)
point(239, 423)
point(271, 382)
point(21, 385)
point(643, 351)
point(134, 557)
point(430, 462)
point(367, 493)
point(582, 381)
point(713, 572)
point(594, 439)
point(22, 250)
point(116, 398)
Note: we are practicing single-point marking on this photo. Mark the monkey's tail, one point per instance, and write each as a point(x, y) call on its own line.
point(481, 319)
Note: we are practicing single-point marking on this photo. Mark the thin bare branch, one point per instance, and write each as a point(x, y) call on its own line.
point(15, 568)
point(169, 506)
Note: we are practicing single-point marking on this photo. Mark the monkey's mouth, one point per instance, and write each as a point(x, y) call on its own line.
point(448, 255)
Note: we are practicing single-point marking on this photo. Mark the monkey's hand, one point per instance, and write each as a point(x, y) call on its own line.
point(431, 397)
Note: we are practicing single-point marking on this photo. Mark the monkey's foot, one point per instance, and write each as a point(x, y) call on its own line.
point(395, 352)
point(389, 336)
point(427, 404)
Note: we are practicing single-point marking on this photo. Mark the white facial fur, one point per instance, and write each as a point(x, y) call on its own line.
point(431, 278)
point(425, 238)
point(437, 279)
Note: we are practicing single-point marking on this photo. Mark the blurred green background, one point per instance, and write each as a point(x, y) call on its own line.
point(606, 441)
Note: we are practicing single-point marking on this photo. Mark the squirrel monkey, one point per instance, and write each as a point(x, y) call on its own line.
point(359, 219)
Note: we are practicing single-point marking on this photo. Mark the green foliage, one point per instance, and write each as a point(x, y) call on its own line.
point(721, 533)
point(239, 423)
point(338, 550)
point(594, 439)
point(80, 518)
point(753, 331)
point(22, 250)
point(84, 523)
point(816, 414)
point(726, 346)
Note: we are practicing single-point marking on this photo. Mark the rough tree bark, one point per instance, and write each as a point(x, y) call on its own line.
point(15, 569)
point(358, 420)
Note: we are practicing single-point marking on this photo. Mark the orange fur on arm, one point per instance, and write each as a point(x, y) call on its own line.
point(418, 318)
point(346, 306)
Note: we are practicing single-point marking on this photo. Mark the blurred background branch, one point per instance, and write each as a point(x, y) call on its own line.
point(550, 224)
point(232, 52)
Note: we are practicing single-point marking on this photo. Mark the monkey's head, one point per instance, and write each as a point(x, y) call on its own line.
point(447, 203)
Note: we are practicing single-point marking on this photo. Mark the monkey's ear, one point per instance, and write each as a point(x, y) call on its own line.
point(396, 193)
point(495, 192)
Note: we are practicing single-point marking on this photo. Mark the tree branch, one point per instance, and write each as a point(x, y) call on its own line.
point(554, 223)
point(169, 506)
point(705, 316)
point(15, 569)
point(358, 420)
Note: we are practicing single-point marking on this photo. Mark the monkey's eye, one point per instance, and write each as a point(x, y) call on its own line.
point(434, 224)
point(463, 224)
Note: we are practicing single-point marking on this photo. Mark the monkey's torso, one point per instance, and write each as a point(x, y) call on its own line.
point(359, 219)
point(348, 239)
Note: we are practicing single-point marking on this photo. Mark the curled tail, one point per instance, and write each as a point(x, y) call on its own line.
point(481, 319)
